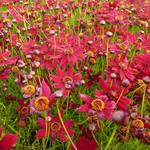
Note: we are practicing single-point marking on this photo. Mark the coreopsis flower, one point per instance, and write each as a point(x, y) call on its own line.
point(142, 63)
point(5, 59)
point(54, 128)
point(7, 141)
point(23, 109)
point(47, 59)
point(28, 90)
point(112, 14)
point(43, 102)
point(29, 46)
point(66, 81)
point(121, 67)
point(143, 41)
point(85, 143)
point(4, 74)
point(114, 92)
point(70, 51)
point(98, 105)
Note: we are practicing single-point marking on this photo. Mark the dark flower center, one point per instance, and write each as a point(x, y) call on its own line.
point(67, 79)
point(55, 126)
point(24, 110)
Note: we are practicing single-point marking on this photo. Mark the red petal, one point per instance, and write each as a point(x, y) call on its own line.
point(41, 133)
point(83, 108)
point(85, 98)
point(45, 91)
point(8, 141)
point(41, 123)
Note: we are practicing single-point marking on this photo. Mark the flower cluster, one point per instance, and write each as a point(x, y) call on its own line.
point(72, 69)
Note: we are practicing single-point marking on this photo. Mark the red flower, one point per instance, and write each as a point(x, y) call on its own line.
point(4, 74)
point(8, 141)
point(115, 92)
point(47, 58)
point(65, 81)
point(100, 105)
point(29, 46)
point(120, 66)
point(142, 63)
point(70, 51)
point(55, 129)
point(84, 144)
point(23, 109)
point(5, 59)
point(44, 100)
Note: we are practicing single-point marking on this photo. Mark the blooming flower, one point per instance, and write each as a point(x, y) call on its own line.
point(23, 109)
point(5, 59)
point(55, 129)
point(103, 107)
point(44, 100)
point(70, 52)
point(120, 66)
point(65, 81)
point(114, 92)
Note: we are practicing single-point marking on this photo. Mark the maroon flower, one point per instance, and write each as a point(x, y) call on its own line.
point(23, 109)
point(84, 144)
point(55, 129)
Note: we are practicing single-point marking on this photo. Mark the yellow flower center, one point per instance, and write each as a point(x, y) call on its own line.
point(92, 60)
point(90, 54)
point(41, 103)
point(15, 69)
point(138, 123)
point(68, 51)
point(123, 46)
point(98, 105)
point(55, 127)
point(29, 89)
point(119, 18)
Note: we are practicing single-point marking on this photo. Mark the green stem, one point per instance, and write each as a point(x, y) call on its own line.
point(111, 138)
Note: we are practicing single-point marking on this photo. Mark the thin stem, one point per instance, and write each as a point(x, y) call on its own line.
point(120, 96)
point(60, 117)
point(107, 53)
point(111, 138)
point(96, 140)
point(143, 100)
